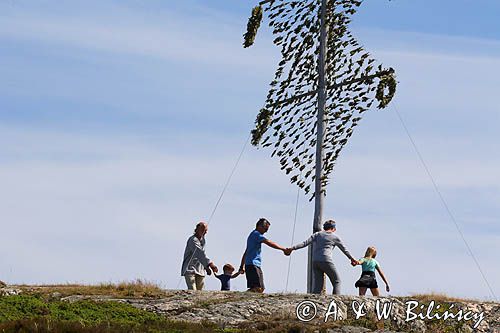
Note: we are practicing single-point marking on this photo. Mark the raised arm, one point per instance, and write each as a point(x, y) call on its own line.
point(304, 243)
point(387, 288)
point(273, 245)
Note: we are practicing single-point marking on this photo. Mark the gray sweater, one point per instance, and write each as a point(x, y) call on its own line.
point(324, 243)
point(195, 259)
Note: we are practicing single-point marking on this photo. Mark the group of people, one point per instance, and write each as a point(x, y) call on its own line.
point(196, 263)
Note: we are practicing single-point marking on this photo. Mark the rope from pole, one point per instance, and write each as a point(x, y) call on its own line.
point(444, 203)
point(220, 196)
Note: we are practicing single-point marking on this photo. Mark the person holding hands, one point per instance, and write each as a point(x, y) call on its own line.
point(323, 242)
point(196, 263)
point(251, 260)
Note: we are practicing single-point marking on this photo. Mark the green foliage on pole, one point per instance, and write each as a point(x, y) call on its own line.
point(253, 26)
point(354, 81)
point(386, 82)
point(261, 125)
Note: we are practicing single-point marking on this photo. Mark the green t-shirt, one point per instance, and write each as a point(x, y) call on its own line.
point(368, 264)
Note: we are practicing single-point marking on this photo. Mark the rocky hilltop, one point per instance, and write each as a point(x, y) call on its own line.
point(312, 313)
point(300, 312)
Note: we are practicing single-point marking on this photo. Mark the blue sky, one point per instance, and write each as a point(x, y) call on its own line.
point(122, 119)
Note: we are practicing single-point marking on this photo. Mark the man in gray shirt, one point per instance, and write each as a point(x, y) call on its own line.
point(323, 244)
point(196, 263)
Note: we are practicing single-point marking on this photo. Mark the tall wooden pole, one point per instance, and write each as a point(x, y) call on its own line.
point(321, 122)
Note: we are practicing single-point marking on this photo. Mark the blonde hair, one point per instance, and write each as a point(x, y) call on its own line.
point(371, 252)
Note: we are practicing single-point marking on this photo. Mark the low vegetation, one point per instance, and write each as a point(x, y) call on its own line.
point(439, 297)
point(29, 313)
point(133, 289)
point(43, 308)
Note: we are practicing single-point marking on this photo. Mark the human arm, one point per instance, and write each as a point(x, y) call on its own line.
point(242, 265)
point(304, 243)
point(199, 253)
point(211, 266)
point(342, 248)
point(387, 288)
point(235, 275)
point(354, 263)
point(273, 245)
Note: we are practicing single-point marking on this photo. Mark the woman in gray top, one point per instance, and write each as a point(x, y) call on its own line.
point(323, 242)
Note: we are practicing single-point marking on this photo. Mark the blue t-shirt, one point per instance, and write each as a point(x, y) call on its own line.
point(368, 264)
point(225, 281)
point(254, 242)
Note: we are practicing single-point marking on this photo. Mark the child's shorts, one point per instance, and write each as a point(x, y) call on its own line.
point(367, 280)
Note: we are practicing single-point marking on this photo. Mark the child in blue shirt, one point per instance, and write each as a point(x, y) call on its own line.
point(225, 278)
point(367, 279)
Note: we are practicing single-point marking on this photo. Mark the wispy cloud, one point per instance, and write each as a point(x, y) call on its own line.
point(178, 39)
point(136, 206)
point(118, 202)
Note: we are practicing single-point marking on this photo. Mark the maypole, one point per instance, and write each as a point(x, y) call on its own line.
point(320, 137)
point(323, 83)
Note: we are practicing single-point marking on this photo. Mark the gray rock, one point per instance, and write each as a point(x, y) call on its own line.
point(231, 309)
point(56, 296)
point(6, 291)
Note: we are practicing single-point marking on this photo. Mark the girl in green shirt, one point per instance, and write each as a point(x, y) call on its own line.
point(367, 279)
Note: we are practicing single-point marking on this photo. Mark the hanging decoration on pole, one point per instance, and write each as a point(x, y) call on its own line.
point(354, 81)
point(253, 26)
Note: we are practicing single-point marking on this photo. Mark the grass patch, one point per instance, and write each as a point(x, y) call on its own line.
point(439, 297)
point(136, 289)
point(46, 325)
point(21, 307)
point(29, 313)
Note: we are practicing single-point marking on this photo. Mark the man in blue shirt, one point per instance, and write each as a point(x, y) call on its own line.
point(251, 260)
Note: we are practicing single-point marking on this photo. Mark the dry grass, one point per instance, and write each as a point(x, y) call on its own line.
point(440, 297)
point(136, 289)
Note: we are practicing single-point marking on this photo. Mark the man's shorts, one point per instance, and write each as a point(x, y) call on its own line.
point(255, 278)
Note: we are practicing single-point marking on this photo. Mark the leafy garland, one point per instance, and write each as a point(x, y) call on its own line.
point(253, 26)
point(287, 123)
point(261, 125)
point(389, 82)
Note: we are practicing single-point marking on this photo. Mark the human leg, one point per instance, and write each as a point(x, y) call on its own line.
point(331, 272)
point(362, 291)
point(200, 282)
point(318, 280)
point(375, 291)
point(255, 279)
point(190, 281)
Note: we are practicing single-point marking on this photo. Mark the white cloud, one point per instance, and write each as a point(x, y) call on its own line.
point(177, 39)
point(122, 217)
point(118, 206)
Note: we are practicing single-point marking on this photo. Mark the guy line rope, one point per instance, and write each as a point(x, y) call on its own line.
point(434, 184)
point(220, 196)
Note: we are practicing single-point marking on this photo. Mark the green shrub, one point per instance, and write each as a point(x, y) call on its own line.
point(29, 313)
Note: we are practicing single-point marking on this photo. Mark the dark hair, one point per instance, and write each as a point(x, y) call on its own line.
point(198, 225)
point(329, 224)
point(262, 222)
point(228, 267)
